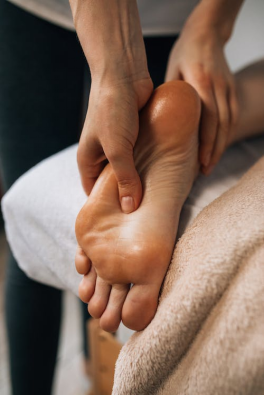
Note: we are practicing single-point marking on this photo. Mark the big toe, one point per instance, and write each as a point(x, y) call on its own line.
point(111, 317)
point(140, 306)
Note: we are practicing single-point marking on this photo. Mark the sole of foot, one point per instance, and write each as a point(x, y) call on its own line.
point(124, 257)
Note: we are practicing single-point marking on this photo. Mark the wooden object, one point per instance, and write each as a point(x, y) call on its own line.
point(104, 350)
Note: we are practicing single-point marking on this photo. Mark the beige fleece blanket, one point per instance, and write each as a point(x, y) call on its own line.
point(208, 334)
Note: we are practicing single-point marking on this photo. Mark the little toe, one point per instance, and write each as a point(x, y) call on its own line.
point(111, 317)
point(82, 262)
point(140, 306)
point(99, 301)
point(87, 286)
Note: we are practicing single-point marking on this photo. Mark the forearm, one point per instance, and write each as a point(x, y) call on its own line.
point(110, 35)
point(216, 16)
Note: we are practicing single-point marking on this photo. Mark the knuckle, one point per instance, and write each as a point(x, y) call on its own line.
point(126, 183)
point(220, 81)
point(115, 152)
point(202, 77)
point(204, 81)
point(114, 155)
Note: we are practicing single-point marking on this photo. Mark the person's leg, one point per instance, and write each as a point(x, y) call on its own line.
point(250, 92)
point(33, 315)
point(41, 80)
point(41, 87)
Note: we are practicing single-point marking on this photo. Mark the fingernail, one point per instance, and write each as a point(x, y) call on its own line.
point(207, 158)
point(127, 204)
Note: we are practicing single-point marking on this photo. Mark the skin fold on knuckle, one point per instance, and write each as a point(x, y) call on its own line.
point(118, 153)
point(126, 184)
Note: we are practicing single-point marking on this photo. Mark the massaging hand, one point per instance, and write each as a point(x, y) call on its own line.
point(110, 132)
point(111, 38)
point(198, 58)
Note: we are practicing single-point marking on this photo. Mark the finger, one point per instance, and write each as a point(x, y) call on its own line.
point(91, 161)
point(172, 73)
point(221, 95)
point(234, 112)
point(209, 116)
point(129, 184)
point(82, 261)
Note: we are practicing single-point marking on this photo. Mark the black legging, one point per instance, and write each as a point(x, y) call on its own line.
point(43, 75)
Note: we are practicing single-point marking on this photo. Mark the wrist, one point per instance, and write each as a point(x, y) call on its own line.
point(202, 34)
point(118, 65)
point(214, 19)
point(206, 31)
point(134, 90)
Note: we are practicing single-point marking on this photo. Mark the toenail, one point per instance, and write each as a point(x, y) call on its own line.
point(127, 204)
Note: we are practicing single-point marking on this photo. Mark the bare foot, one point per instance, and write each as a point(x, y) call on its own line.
point(117, 249)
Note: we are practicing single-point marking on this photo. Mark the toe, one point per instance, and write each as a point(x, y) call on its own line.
point(111, 317)
point(82, 262)
point(87, 286)
point(99, 301)
point(140, 306)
